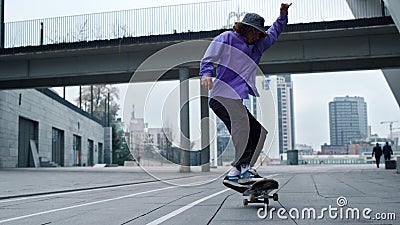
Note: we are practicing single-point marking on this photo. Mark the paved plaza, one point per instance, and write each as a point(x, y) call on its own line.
point(308, 194)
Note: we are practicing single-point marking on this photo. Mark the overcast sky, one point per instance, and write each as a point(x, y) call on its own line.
point(313, 92)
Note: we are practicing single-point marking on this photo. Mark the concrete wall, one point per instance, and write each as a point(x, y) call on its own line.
point(392, 77)
point(394, 9)
point(365, 8)
point(48, 113)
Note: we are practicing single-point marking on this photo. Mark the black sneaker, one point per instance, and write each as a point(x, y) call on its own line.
point(249, 177)
point(232, 182)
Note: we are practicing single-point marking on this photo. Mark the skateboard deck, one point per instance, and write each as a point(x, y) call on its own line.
point(259, 192)
point(237, 187)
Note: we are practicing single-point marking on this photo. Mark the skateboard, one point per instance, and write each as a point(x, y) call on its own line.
point(259, 192)
point(237, 187)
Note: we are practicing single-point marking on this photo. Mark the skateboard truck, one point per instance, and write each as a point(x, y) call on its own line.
point(259, 192)
point(259, 198)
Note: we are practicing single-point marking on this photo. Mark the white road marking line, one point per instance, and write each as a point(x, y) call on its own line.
point(83, 191)
point(273, 175)
point(86, 204)
point(68, 193)
point(184, 208)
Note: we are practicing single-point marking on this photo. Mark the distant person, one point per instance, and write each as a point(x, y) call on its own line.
point(377, 151)
point(238, 53)
point(387, 151)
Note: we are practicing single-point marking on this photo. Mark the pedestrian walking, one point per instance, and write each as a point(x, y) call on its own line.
point(387, 151)
point(377, 151)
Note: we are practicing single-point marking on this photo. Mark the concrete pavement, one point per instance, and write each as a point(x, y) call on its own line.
point(23, 182)
point(308, 194)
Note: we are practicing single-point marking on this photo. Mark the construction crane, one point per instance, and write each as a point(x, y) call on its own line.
point(390, 126)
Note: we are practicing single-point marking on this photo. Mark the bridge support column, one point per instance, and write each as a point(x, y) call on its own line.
point(394, 8)
point(205, 130)
point(108, 145)
point(184, 119)
point(357, 8)
point(392, 76)
point(2, 30)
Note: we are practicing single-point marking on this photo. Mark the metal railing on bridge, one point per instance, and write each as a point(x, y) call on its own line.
point(193, 17)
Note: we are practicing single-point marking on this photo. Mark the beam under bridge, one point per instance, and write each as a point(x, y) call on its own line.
point(304, 48)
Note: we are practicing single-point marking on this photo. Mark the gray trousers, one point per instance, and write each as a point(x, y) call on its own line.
point(248, 135)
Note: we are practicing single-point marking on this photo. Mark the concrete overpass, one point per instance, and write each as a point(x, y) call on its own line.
point(377, 8)
point(304, 48)
point(359, 44)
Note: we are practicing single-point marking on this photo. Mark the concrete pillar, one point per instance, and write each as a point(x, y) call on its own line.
point(394, 9)
point(205, 130)
point(292, 157)
point(392, 76)
point(184, 119)
point(107, 145)
point(358, 8)
point(2, 30)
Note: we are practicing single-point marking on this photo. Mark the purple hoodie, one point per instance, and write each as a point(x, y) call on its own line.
point(237, 61)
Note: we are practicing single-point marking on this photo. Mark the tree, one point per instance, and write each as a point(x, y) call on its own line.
point(101, 102)
point(120, 148)
point(105, 109)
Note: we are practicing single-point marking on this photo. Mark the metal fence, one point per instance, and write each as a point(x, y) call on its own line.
point(173, 19)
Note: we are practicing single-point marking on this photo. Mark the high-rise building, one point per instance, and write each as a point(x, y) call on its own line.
point(137, 134)
point(347, 120)
point(284, 88)
point(276, 113)
point(225, 148)
point(251, 105)
point(273, 109)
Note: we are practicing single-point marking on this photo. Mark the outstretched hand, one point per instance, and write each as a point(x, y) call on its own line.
point(285, 8)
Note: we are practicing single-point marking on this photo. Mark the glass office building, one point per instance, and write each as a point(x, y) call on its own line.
point(347, 120)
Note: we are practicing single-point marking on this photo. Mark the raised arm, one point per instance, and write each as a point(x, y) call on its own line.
point(277, 27)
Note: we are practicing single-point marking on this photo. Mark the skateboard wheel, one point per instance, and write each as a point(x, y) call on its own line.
point(275, 197)
point(245, 202)
point(252, 198)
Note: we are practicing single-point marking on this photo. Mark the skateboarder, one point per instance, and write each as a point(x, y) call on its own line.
point(238, 53)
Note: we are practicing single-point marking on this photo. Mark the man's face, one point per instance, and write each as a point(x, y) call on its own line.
point(253, 36)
